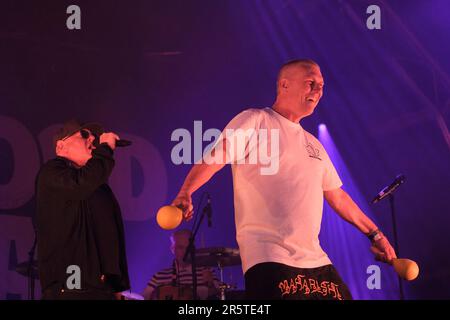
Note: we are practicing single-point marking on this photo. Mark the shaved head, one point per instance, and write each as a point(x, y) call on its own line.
point(299, 89)
point(290, 69)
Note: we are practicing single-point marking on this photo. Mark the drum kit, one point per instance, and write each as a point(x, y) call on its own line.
point(219, 257)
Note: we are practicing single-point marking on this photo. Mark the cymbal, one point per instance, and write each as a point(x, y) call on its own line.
point(22, 268)
point(128, 295)
point(217, 257)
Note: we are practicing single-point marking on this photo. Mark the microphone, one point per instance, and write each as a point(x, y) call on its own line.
point(123, 143)
point(119, 143)
point(209, 211)
point(389, 189)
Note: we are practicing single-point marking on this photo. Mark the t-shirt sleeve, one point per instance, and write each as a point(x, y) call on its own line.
point(236, 140)
point(331, 179)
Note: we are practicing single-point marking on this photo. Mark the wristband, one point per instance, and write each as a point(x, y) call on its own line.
point(375, 235)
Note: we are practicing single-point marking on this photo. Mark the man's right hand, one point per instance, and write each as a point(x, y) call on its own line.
point(184, 201)
point(110, 138)
point(383, 250)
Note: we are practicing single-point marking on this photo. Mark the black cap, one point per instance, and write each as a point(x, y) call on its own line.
point(72, 126)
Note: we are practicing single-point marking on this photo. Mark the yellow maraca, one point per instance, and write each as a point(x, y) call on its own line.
point(407, 269)
point(169, 217)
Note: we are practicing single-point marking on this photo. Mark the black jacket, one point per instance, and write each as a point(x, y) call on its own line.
point(79, 223)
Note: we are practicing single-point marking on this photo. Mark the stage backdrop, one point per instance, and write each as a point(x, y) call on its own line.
point(147, 68)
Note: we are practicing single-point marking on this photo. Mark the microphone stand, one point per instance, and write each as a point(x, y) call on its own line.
point(396, 247)
point(389, 191)
point(191, 251)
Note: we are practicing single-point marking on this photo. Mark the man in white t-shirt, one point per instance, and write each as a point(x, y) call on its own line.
point(281, 174)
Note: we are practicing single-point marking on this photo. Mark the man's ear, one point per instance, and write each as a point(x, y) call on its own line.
point(59, 147)
point(284, 84)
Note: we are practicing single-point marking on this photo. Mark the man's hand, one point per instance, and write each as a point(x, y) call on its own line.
point(347, 209)
point(110, 138)
point(383, 250)
point(184, 201)
point(197, 177)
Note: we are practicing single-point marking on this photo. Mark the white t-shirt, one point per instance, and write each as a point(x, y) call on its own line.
point(278, 199)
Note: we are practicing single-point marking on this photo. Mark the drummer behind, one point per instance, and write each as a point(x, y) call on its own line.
point(180, 274)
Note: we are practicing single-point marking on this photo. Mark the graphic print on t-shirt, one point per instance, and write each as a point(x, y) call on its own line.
point(313, 152)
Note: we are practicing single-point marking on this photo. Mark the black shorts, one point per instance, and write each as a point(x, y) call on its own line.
point(270, 280)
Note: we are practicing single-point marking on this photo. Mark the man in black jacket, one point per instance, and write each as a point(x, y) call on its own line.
point(81, 246)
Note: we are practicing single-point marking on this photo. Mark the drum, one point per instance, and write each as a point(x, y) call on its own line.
point(216, 257)
point(128, 295)
point(169, 292)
